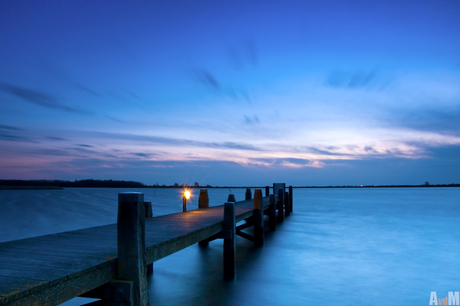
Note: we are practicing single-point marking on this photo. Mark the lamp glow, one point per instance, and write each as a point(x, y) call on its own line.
point(187, 194)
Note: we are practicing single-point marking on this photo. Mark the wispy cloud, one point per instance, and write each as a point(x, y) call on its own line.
point(251, 120)
point(38, 98)
point(353, 80)
point(206, 78)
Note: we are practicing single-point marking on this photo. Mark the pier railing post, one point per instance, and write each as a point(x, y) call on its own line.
point(203, 199)
point(280, 205)
point(229, 232)
point(248, 195)
point(231, 198)
point(267, 191)
point(148, 214)
point(131, 245)
point(272, 213)
point(287, 205)
point(258, 217)
point(203, 202)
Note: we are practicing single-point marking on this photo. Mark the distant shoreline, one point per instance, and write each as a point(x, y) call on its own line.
point(90, 183)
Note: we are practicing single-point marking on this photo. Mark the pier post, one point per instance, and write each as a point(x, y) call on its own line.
point(203, 202)
point(258, 217)
point(203, 199)
point(231, 198)
point(248, 194)
point(290, 198)
point(149, 214)
point(229, 233)
point(131, 245)
point(148, 209)
point(267, 191)
point(280, 205)
point(272, 213)
point(287, 205)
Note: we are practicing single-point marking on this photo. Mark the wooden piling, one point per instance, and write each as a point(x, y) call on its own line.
point(248, 195)
point(131, 264)
point(267, 191)
point(258, 217)
point(287, 206)
point(229, 229)
point(290, 198)
point(280, 205)
point(203, 202)
point(203, 199)
point(149, 214)
point(148, 209)
point(231, 198)
point(272, 213)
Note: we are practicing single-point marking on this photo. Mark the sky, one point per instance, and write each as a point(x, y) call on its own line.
point(231, 92)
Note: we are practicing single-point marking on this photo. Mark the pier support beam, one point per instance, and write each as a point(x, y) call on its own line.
point(229, 229)
point(258, 217)
point(131, 245)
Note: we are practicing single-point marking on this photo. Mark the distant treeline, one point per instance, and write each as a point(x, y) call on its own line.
point(383, 186)
point(57, 184)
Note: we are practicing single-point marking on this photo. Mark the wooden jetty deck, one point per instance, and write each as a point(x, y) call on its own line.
point(110, 262)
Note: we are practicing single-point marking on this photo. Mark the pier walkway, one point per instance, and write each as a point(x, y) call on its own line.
point(110, 262)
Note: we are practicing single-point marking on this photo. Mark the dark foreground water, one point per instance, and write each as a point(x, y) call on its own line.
point(389, 246)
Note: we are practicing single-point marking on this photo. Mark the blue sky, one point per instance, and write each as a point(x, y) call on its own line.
point(231, 92)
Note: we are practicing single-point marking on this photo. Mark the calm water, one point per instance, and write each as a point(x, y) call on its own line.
point(339, 247)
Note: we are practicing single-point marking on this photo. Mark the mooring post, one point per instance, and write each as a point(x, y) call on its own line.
point(231, 198)
point(229, 233)
point(287, 206)
point(258, 217)
point(148, 209)
point(267, 191)
point(272, 213)
point(131, 245)
point(290, 198)
point(203, 199)
point(248, 195)
point(203, 202)
point(280, 205)
point(149, 214)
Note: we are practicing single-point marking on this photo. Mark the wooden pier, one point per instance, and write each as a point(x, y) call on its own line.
point(111, 262)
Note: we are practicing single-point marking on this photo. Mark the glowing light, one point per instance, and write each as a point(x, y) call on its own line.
point(187, 194)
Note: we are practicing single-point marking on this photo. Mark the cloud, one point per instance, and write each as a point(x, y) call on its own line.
point(206, 78)
point(352, 80)
point(38, 98)
point(9, 127)
point(88, 90)
point(55, 138)
point(251, 120)
point(177, 141)
point(243, 54)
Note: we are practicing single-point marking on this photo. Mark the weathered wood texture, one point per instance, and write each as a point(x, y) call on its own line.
point(51, 269)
